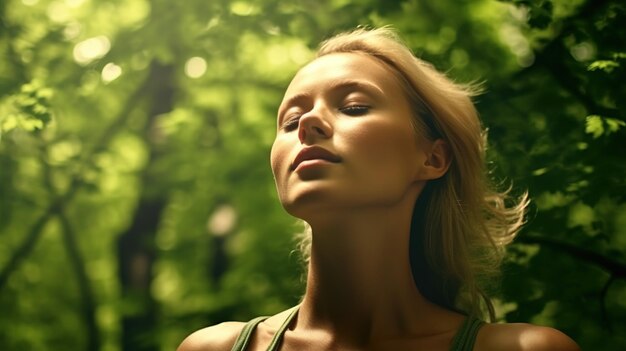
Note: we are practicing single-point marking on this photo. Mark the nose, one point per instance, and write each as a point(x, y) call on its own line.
point(312, 126)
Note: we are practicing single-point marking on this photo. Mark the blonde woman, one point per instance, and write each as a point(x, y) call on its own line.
point(383, 157)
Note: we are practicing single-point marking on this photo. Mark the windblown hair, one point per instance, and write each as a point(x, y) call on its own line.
point(460, 223)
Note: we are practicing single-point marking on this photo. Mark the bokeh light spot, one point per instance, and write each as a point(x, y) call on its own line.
point(195, 67)
point(459, 58)
point(222, 221)
point(111, 72)
point(243, 8)
point(584, 51)
point(58, 12)
point(91, 49)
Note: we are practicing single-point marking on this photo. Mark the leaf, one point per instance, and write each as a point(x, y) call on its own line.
point(29, 110)
point(613, 124)
point(604, 65)
point(594, 126)
point(598, 126)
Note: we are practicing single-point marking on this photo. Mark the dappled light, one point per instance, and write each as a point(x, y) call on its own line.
point(195, 67)
point(222, 221)
point(111, 72)
point(90, 49)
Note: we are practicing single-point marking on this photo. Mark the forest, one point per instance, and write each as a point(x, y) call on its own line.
point(137, 202)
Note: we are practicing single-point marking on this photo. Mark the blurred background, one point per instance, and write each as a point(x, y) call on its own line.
point(136, 198)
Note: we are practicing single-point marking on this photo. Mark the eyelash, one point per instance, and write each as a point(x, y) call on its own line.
point(354, 110)
point(291, 124)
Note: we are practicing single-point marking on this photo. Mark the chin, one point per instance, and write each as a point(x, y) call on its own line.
point(309, 204)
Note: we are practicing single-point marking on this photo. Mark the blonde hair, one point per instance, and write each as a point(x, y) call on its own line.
point(460, 225)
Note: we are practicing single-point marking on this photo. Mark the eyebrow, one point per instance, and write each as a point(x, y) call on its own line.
point(337, 85)
point(356, 84)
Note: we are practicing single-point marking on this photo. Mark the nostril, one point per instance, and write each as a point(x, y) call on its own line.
point(318, 130)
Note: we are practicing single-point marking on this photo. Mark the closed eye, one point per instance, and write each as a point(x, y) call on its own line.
point(355, 110)
point(291, 124)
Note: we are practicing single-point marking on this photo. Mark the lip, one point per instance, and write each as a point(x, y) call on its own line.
point(314, 153)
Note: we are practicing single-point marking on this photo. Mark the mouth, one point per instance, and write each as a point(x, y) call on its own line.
point(314, 153)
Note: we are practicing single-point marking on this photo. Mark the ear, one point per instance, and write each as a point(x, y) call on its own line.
point(438, 159)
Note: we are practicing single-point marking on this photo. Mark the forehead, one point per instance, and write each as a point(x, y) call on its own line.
point(340, 67)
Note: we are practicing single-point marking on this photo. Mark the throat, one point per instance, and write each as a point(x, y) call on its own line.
point(360, 285)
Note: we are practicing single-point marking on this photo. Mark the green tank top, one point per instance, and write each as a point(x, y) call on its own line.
point(463, 340)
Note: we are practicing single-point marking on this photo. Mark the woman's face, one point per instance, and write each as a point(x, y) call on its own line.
point(345, 138)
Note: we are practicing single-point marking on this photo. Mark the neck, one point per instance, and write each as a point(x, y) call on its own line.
point(360, 287)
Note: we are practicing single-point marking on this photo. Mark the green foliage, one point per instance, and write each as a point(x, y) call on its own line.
point(598, 126)
point(567, 267)
point(28, 110)
point(539, 11)
point(605, 65)
point(137, 203)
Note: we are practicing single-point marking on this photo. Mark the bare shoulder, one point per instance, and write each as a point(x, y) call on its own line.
point(220, 337)
point(522, 337)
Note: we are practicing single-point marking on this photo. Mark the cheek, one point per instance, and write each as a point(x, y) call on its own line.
point(274, 159)
point(277, 157)
point(388, 156)
point(386, 145)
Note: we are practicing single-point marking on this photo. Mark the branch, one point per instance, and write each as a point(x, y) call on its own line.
point(615, 267)
point(86, 293)
point(76, 182)
point(25, 247)
point(569, 82)
point(121, 118)
point(603, 310)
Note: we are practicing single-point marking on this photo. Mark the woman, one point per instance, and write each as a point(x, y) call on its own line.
point(384, 158)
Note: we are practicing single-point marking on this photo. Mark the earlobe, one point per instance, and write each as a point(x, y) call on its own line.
point(438, 159)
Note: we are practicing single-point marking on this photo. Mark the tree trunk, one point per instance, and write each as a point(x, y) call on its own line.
point(136, 246)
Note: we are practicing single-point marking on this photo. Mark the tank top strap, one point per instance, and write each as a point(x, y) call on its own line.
point(246, 334)
point(280, 333)
point(463, 340)
point(466, 336)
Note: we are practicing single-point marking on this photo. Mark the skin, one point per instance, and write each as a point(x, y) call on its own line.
point(360, 210)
